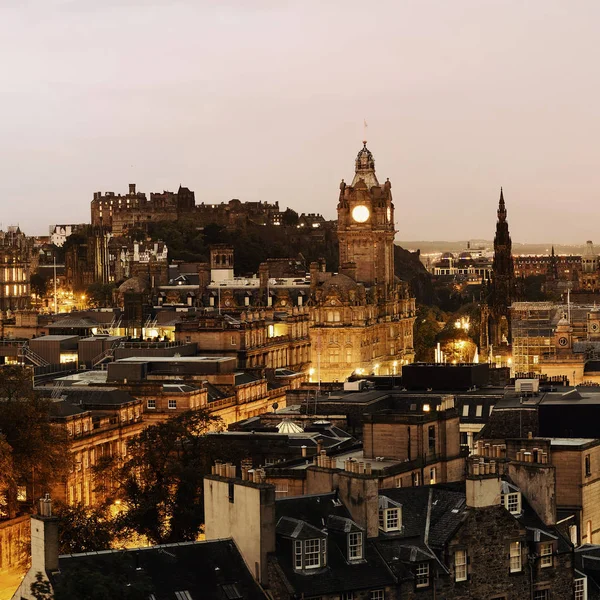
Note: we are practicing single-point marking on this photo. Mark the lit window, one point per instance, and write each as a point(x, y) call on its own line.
point(546, 555)
point(540, 595)
point(465, 412)
point(172, 403)
point(432, 475)
point(479, 410)
point(515, 557)
point(377, 595)
point(422, 575)
point(312, 554)
point(460, 565)
point(389, 519)
point(151, 404)
point(355, 546)
point(581, 589)
point(512, 502)
point(21, 494)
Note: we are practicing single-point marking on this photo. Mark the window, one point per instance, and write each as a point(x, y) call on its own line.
point(347, 596)
point(540, 595)
point(415, 479)
point(312, 554)
point(377, 595)
point(465, 412)
point(515, 557)
point(151, 404)
point(431, 435)
point(512, 502)
point(546, 555)
point(297, 554)
point(432, 475)
point(172, 403)
point(479, 410)
point(581, 589)
point(588, 466)
point(422, 575)
point(355, 546)
point(389, 519)
point(460, 565)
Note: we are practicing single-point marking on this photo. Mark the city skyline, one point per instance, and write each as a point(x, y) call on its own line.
point(460, 99)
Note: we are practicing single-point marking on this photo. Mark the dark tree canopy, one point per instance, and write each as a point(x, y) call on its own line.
point(34, 449)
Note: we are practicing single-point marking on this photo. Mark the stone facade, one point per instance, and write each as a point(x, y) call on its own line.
point(362, 318)
point(16, 258)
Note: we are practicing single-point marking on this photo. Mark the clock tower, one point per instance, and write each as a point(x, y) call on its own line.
point(366, 225)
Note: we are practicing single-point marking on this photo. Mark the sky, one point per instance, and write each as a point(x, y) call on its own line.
point(265, 100)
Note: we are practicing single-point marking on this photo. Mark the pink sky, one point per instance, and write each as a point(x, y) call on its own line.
point(256, 99)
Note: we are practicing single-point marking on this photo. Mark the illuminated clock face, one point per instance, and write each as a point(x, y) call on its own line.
point(389, 213)
point(360, 213)
point(563, 341)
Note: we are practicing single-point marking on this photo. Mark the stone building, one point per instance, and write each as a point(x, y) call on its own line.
point(16, 257)
point(362, 317)
point(133, 210)
point(349, 539)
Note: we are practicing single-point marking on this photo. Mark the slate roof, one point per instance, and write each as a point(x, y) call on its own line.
point(317, 513)
point(88, 396)
point(587, 561)
point(206, 570)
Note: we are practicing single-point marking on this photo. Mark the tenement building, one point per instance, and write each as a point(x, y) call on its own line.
point(16, 255)
point(362, 317)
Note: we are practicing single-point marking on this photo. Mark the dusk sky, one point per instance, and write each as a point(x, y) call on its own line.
point(265, 100)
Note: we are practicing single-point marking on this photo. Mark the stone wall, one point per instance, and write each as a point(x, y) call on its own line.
point(15, 542)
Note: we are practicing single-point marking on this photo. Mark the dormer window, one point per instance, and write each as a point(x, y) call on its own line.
point(390, 515)
point(422, 575)
point(355, 546)
point(307, 554)
point(512, 502)
point(389, 519)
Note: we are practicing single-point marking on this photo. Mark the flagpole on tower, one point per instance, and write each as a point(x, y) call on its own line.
point(365, 132)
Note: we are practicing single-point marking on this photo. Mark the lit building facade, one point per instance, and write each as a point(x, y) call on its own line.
point(361, 317)
point(16, 253)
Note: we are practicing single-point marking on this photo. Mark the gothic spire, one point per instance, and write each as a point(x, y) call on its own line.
point(501, 207)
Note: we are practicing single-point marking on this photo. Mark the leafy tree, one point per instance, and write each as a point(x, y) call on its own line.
point(39, 284)
point(34, 449)
point(84, 529)
point(427, 328)
point(100, 294)
point(161, 484)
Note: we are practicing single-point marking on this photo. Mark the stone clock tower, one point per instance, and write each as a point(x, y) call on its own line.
point(366, 226)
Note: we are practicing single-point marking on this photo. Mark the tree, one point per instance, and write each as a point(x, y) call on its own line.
point(100, 294)
point(84, 529)
point(427, 328)
point(33, 449)
point(39, 285)
point(161, 484)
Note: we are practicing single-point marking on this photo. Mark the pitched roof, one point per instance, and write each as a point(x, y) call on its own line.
point(206, 570)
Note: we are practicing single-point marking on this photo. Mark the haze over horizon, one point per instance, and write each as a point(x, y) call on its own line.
point(460, 97)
